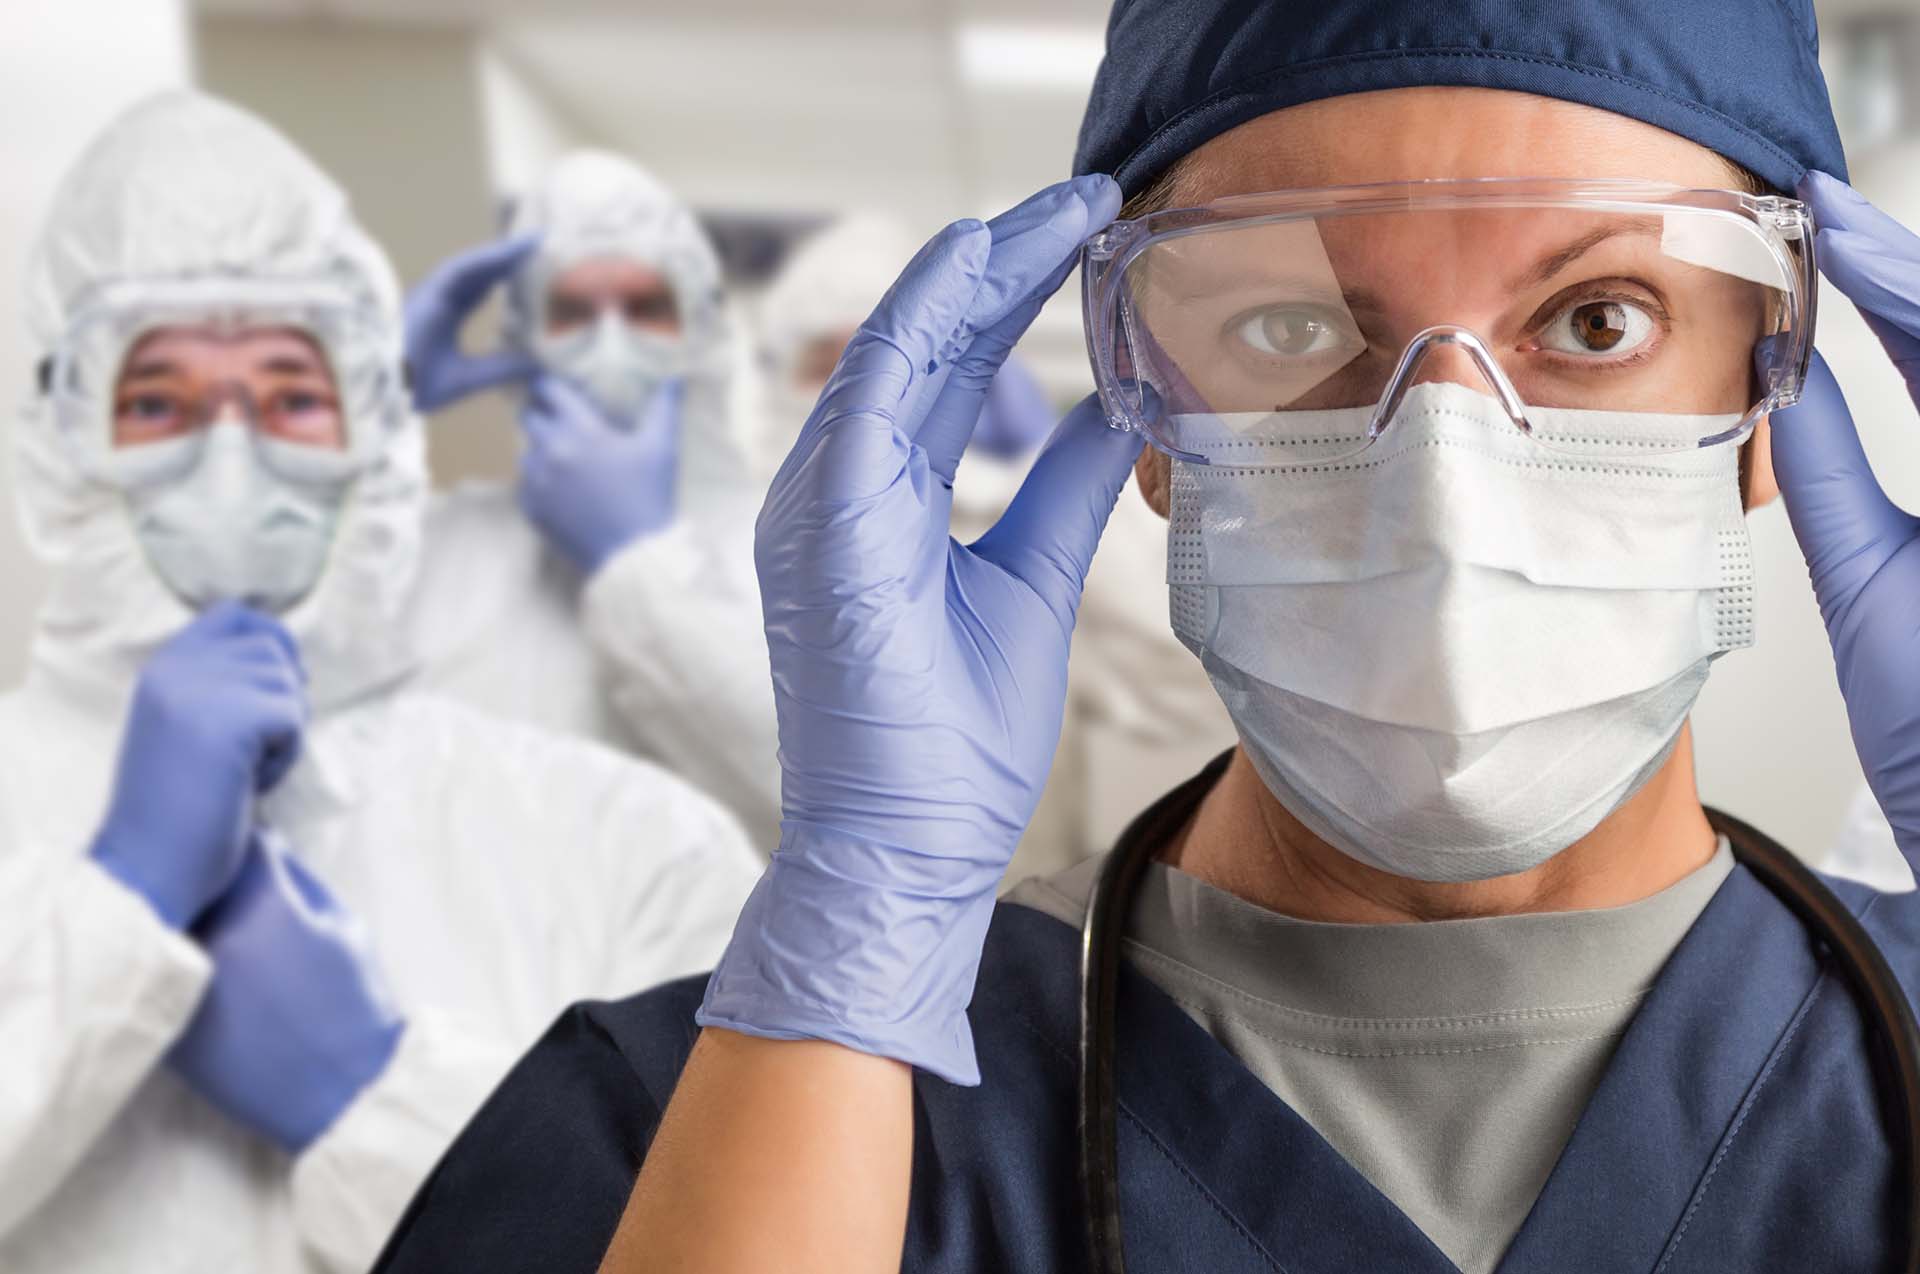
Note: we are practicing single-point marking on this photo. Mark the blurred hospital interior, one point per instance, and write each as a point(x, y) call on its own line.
point(772, 118)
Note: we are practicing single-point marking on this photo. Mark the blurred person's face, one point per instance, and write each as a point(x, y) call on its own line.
point(639, 294)
point(818, 357)
point(179, 379)
point(1451, 133)
point(228, 525)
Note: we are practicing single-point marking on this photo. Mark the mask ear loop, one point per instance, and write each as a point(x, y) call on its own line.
point(1423, 344)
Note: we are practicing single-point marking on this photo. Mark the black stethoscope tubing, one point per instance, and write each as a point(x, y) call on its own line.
point(1826, 917)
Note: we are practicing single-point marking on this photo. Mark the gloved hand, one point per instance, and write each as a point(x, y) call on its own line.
point(216, 720)
point(1017, 417)
point(919, 683)
point(590, 487)
point(295, 1022)
point(439, 372)
point(1862, 551)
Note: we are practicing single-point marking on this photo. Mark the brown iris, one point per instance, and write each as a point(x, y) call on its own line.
point(1600, 325)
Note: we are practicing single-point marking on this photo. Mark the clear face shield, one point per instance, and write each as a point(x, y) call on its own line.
point(1289, 328)
point(308, 373)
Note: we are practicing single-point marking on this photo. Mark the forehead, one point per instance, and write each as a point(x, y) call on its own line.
point(1413, 134)
point(206, 347)
point(608, 273)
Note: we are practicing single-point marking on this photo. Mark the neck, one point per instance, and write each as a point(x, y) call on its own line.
point(1244, 841)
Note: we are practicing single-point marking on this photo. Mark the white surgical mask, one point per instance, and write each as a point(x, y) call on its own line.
point(619, 365)
point(1453, 655)
point(230, 529)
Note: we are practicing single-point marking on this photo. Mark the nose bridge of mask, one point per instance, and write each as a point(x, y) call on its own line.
point(611, 337)
point(228, 466)
point(1455, 577)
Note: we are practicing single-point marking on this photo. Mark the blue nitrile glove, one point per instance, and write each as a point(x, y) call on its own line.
point(216, 720)
point(919, 683)
point(1862, 551)
point(590, 487)
point(295, 1022)
point(438, 371)
point(1017, 417)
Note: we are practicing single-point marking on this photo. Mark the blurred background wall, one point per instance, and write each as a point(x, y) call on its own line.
point(770, 115)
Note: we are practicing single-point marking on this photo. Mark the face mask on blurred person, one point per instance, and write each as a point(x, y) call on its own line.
point(229, 529)
point(620, 365)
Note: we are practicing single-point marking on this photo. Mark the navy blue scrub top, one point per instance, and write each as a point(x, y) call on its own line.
point(1739, 1127)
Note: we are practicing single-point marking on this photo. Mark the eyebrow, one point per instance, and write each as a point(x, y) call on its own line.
point(1548, 266)
point(290, 364)
point(151, 369)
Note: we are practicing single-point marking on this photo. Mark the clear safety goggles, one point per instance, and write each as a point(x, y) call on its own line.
point(609, 335)
point(142, 430)
point(1288, 327)
point(567, 328)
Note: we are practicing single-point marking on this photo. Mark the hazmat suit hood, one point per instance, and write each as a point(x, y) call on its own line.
point(181, 188)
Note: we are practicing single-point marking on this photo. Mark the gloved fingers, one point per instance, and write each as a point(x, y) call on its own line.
point(967, 278)
point(234, 627)
point(1880, 276)
point(228, 617)
point(1035, 247)
point(277, 681)
point(899, 344)
point(462, 281)
point(1037, 241)
point(278, 721)
point(1902, 348)
point(1838, 206)
point(960, 404)
point(241, 899)
point(264, 648)
point(555, 406)
point(1833, 500)
point(660, 418)
point(225, 616)
point(1016, 417)
point(472, 373)
point(1047, 536)
point(536, 422)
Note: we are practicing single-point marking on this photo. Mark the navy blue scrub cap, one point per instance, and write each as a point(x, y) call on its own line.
point(1741, 77)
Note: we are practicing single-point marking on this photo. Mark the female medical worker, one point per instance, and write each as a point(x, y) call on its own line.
point(205, 1068)
point(609, 592)
point(1445, 967)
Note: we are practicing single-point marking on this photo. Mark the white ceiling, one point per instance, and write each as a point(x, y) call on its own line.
point(818, 104)
point(414, 12)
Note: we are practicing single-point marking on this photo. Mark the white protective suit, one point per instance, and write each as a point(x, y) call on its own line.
point(1890, 177)
point(660, 651)
point(499, 873)
point(1139, 707)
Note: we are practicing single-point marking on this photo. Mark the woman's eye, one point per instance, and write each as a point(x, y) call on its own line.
point(1598, 327)
point(1293, 333)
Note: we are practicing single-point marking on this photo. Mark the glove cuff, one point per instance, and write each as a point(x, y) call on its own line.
point(862, 944)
